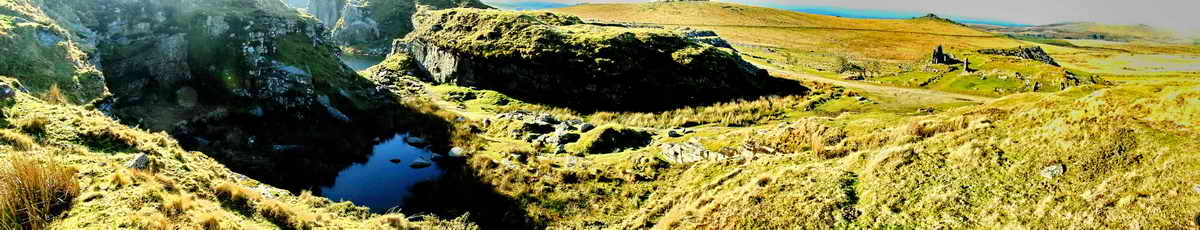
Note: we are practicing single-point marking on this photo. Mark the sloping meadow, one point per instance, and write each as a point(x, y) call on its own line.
point(1089, 157)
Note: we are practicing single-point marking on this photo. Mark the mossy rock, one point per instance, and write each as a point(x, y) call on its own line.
point(608, 139)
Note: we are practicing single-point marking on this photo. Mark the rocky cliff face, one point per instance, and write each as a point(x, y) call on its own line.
point(200, 57)
point(46, 54)
point(371, 25)
point(558, 59)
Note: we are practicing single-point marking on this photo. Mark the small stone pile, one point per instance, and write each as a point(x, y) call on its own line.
point(544, 128)
point(1035, 53)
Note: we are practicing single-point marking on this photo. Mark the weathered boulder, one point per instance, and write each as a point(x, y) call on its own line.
point(1035, 53)
point(1052, 171)
point(141, 161)
point(7, 91)
point(560, 60)
point(354, 27)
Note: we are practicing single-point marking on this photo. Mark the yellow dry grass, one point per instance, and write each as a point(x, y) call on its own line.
point(892, 40)
point(34, 192)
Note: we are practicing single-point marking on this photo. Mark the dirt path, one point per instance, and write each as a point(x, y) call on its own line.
point(922, 96)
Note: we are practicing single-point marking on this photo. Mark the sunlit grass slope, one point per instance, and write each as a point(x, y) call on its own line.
point(747, 25)
point(176, 189)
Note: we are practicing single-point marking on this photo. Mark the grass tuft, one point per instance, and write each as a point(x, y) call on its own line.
point(19, 141)
point(286, 215)
point(235, 194)
point(209, 221)
point(32, 193)
point(54, 95)
point(177, 204)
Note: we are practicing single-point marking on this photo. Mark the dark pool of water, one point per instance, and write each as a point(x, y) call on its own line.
point(386, 179)
point(359, 63)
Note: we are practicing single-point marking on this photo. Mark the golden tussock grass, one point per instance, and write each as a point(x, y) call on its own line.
point(152, 221)
point(33, 192)
point(208, 221)
point(286, 214)
point(19, 141)
point(881, 39)
point(54, 95)
point(177, 204)
point(235, 194)
point(32, 124)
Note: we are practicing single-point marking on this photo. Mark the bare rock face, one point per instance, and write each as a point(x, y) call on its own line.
point(1035, 53)
point(560, 60)
point(370, 25)
point(355, 27)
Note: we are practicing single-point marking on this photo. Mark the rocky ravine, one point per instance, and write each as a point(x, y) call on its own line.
point(560, 60)
point(253, 83)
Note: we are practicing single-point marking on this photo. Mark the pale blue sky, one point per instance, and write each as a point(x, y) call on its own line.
point(1183, 15)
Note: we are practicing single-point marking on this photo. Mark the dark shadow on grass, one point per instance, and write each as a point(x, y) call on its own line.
point(462, 191)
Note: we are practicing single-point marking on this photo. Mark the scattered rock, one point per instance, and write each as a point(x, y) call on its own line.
point(687, 153)
point(457, 152)
point(536, 127)
point(678, 132)
point(546, 118)
point(420, 163)
point(415, 141)
point(557, 138)
point(7, 91)
point(585, 127)
point(333, 111)
point(140, 162)
point(395, 161)
point(1053, 171)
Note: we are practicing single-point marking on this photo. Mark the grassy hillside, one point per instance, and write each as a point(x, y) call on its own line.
point(1090, 30)
point(176, 189)
point(892, 40)
point(1088, 157)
